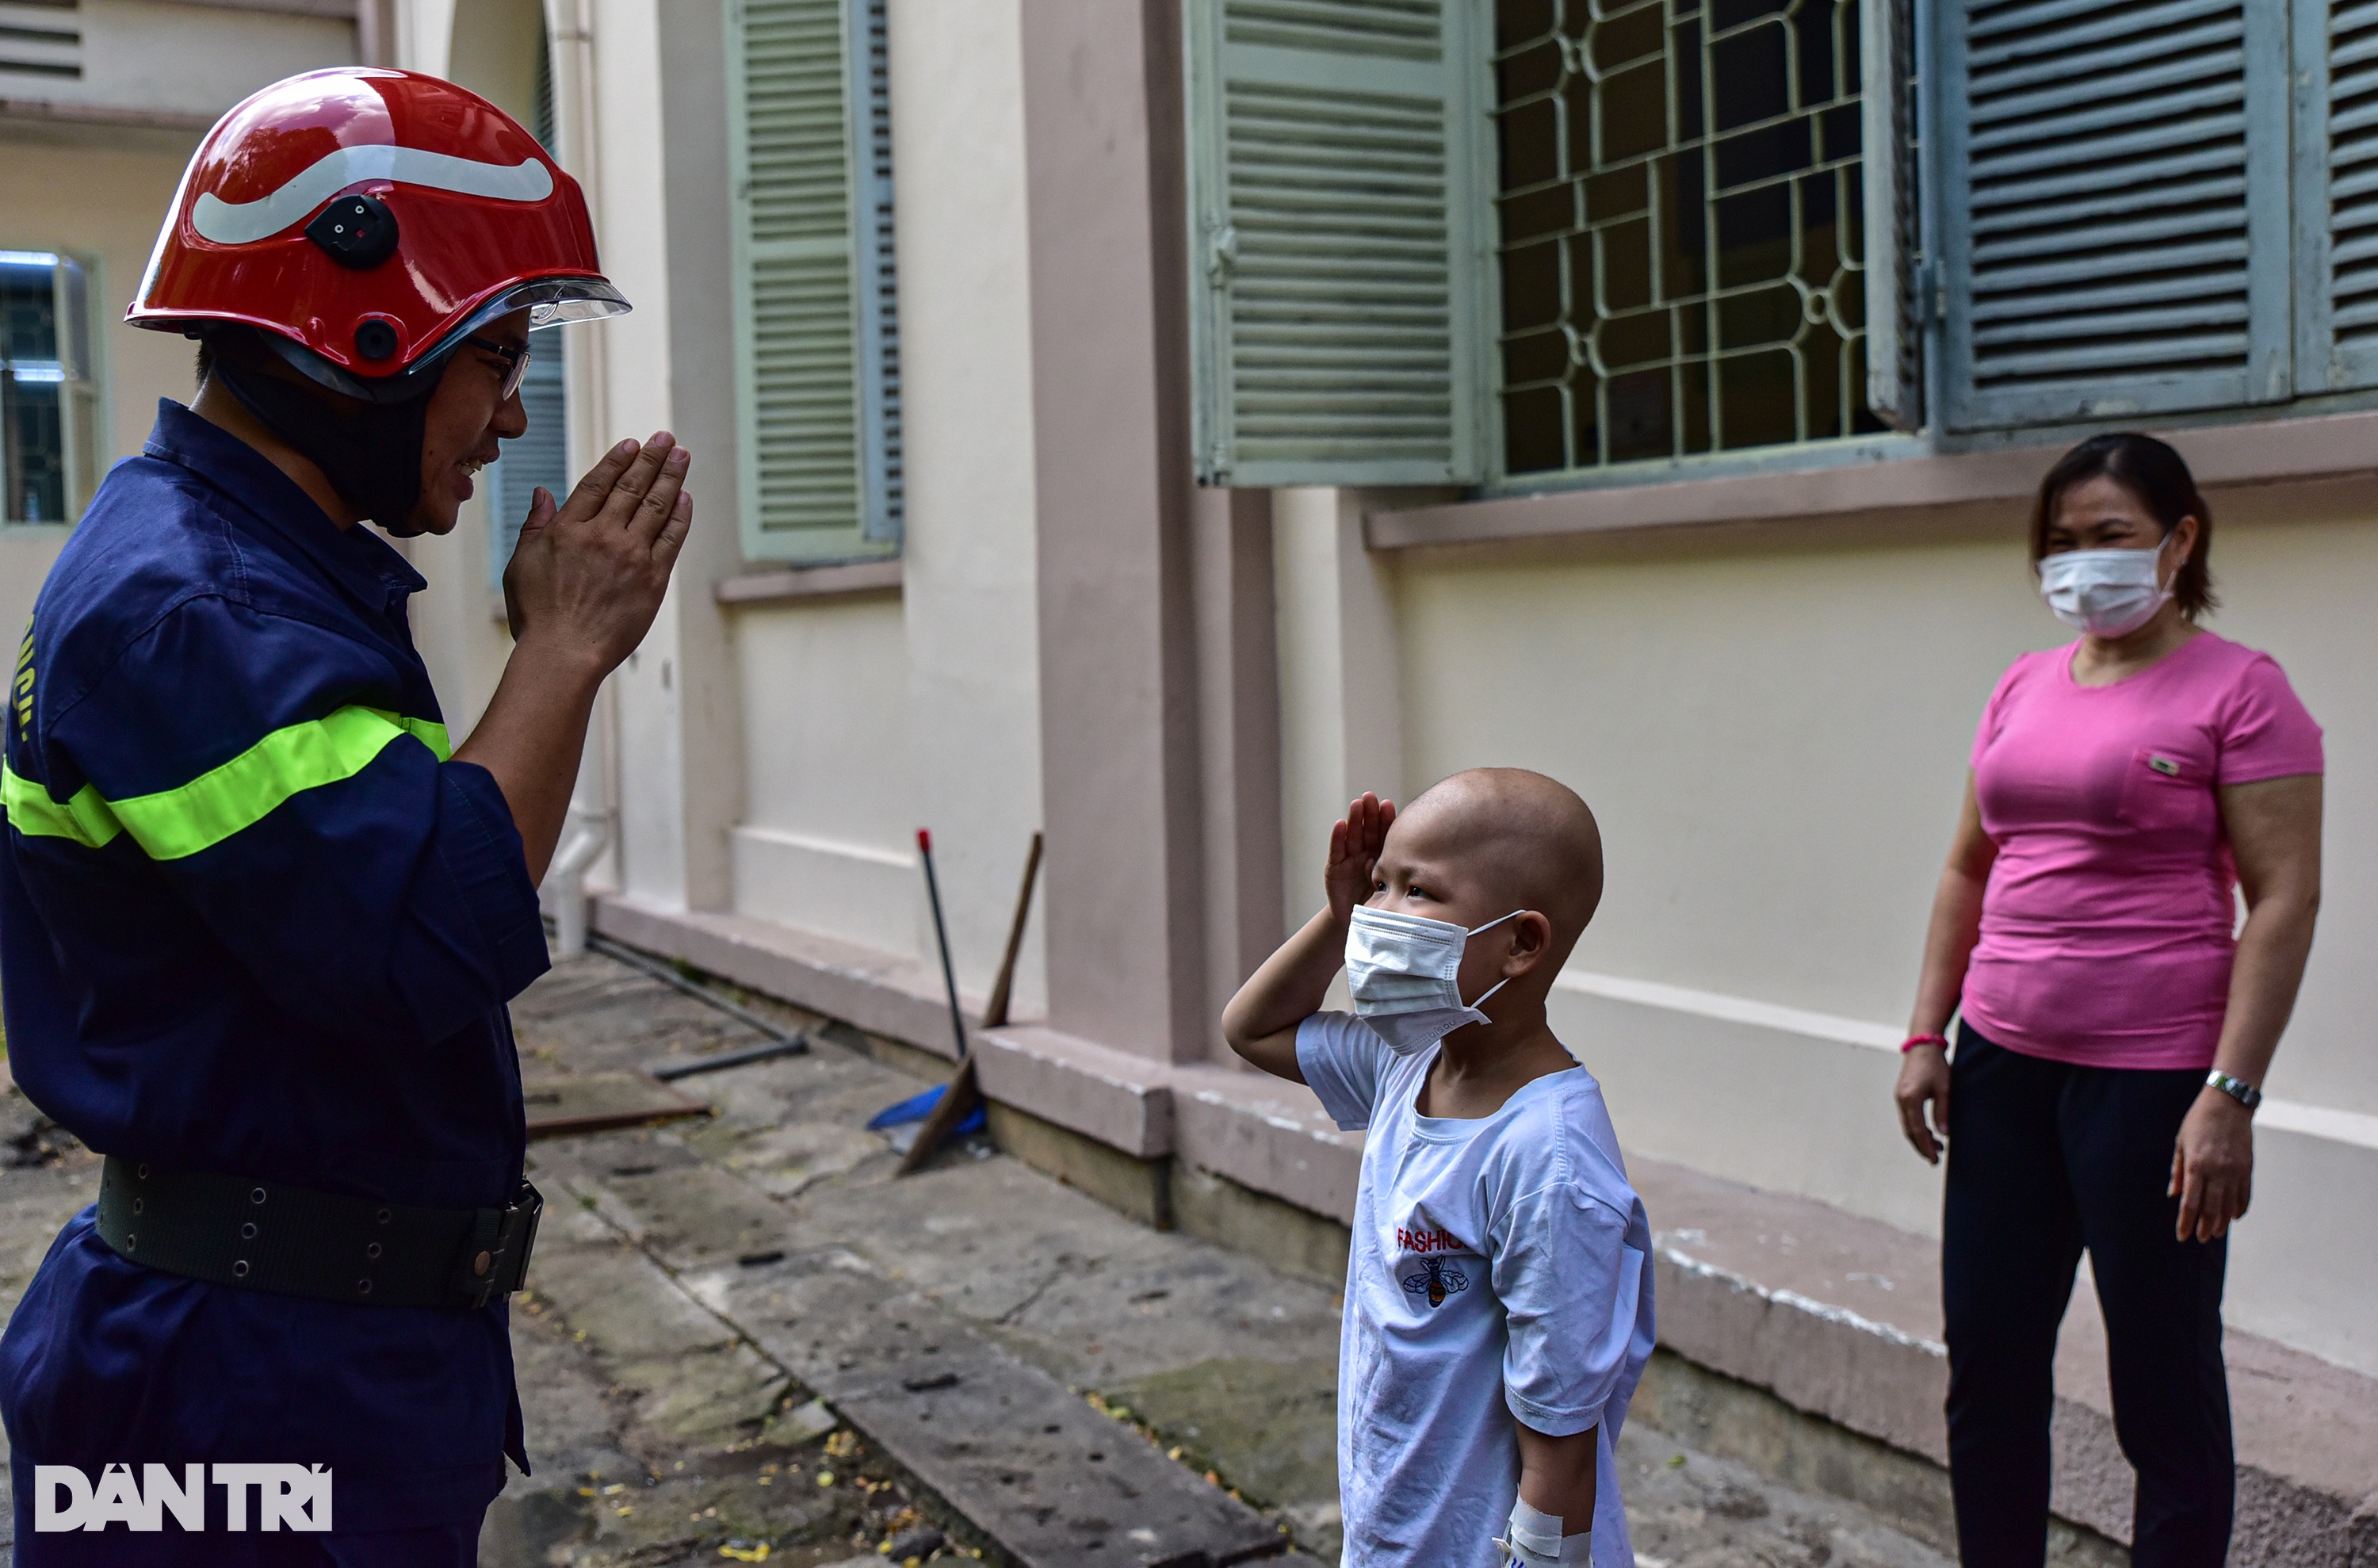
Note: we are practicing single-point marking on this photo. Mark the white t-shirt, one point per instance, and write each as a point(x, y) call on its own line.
point(1501, 1268)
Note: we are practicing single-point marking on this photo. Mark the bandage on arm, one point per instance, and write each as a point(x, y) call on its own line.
point(1558, 1473)
point(1533, 1537)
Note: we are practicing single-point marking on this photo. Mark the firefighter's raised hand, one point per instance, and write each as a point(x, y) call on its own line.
point(582, 590)
point(588, 574)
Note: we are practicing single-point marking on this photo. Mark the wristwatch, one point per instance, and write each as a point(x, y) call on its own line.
point(2238, 1088)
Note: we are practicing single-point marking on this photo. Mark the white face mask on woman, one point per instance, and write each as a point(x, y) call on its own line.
point(1404, 972)
point(2107, 593)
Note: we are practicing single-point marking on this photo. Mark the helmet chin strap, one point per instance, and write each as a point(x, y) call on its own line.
point(371, 456)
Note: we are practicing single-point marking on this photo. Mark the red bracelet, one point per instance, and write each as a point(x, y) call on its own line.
point(1915, 1039)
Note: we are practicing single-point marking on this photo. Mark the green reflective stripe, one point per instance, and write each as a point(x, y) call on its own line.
point(430, 733)
point(172, 824)
point(243, 792)
point(86, 819)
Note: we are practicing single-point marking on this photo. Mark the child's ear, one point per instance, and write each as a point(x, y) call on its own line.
point(1531, 939)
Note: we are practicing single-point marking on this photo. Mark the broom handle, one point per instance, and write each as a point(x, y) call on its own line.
point(994, 1013)
point(941, 936)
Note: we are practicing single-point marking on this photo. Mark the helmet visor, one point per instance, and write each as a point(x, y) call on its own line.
point(550, 302)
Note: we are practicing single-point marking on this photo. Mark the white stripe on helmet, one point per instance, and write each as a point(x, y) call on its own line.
point(243, 223)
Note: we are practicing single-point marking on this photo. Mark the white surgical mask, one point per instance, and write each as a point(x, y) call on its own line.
point(1405, 974)
point(2107, 593)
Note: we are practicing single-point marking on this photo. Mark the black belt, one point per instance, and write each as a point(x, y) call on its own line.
point(297, 1241)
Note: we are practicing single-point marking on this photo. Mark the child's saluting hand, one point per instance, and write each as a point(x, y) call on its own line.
point(1354, 853)
point(1354, 846)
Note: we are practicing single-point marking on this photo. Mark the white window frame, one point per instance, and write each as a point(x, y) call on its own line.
point(84, 410)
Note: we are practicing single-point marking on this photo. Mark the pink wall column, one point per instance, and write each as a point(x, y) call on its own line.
point(1118, 655)
point(1238, 729)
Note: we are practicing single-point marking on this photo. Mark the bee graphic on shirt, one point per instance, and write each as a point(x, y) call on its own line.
point(1437, 1280)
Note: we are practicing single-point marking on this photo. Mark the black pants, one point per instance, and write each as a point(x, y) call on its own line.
point(2045, 1159)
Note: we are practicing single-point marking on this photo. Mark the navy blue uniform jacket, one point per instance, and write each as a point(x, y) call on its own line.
point(253, 921)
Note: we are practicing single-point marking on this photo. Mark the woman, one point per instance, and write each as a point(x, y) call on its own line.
point(2115, 1033)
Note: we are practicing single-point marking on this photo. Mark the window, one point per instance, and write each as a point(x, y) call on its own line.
point(1493, 240)
point(2115, 213)
point(40, 40)
point(1679, 215)
point(1336, 270)
point(1464, 240)
point(541, 455)
point(48, 395)
point(2336, 345)
point(2152, 209)
point(817, 324)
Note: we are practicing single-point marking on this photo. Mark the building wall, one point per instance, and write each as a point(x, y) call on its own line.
point(102, 202)
point(865, 719)
point(1772, 719)
point(1772, 728)
point(90, 165)
point(824, 843)
point(969, 618)
point(165, 59)
point(459, 620)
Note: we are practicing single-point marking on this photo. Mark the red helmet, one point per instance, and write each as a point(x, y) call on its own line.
point(367, 222)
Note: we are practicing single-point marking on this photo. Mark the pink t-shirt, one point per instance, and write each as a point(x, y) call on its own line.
point(2107, 926)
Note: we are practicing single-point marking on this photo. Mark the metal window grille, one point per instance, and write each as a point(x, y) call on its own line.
point(1680, 212)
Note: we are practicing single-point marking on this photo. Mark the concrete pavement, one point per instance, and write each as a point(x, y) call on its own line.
point(1006, 1365)
point(1185, 1351)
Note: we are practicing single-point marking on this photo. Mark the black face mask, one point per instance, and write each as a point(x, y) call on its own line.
point(370, 452)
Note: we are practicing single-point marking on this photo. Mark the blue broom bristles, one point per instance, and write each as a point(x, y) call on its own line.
point(916, 1108)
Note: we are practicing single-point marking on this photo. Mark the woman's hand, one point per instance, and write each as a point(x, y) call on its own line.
point(1924, 1084)
point(2212, 1167)
point(1355, 846)
point(1949, 942)
point(589, 575)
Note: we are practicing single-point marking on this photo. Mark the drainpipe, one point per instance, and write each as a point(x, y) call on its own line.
point(376, 33)
point(585, 832)
point(571, 24)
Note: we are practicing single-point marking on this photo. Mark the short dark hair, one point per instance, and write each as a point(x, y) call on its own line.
point(2158, 480)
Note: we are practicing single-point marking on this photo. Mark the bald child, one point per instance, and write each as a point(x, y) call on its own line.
point(1498, 1293)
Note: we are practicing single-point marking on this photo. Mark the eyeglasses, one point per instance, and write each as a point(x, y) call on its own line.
point(515, 357)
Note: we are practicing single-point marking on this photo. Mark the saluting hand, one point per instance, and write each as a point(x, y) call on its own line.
point(589, 575)
point(1355, 846)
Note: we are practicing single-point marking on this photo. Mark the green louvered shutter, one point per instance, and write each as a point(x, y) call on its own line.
point(2114, 213)
point(538, 456)
point(1337, 260)
point(816, 344)
point(2336, 195)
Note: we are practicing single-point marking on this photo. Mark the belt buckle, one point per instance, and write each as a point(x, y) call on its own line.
point(509, 1249)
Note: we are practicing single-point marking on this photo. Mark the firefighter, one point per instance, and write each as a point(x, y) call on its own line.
point(257, 926)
